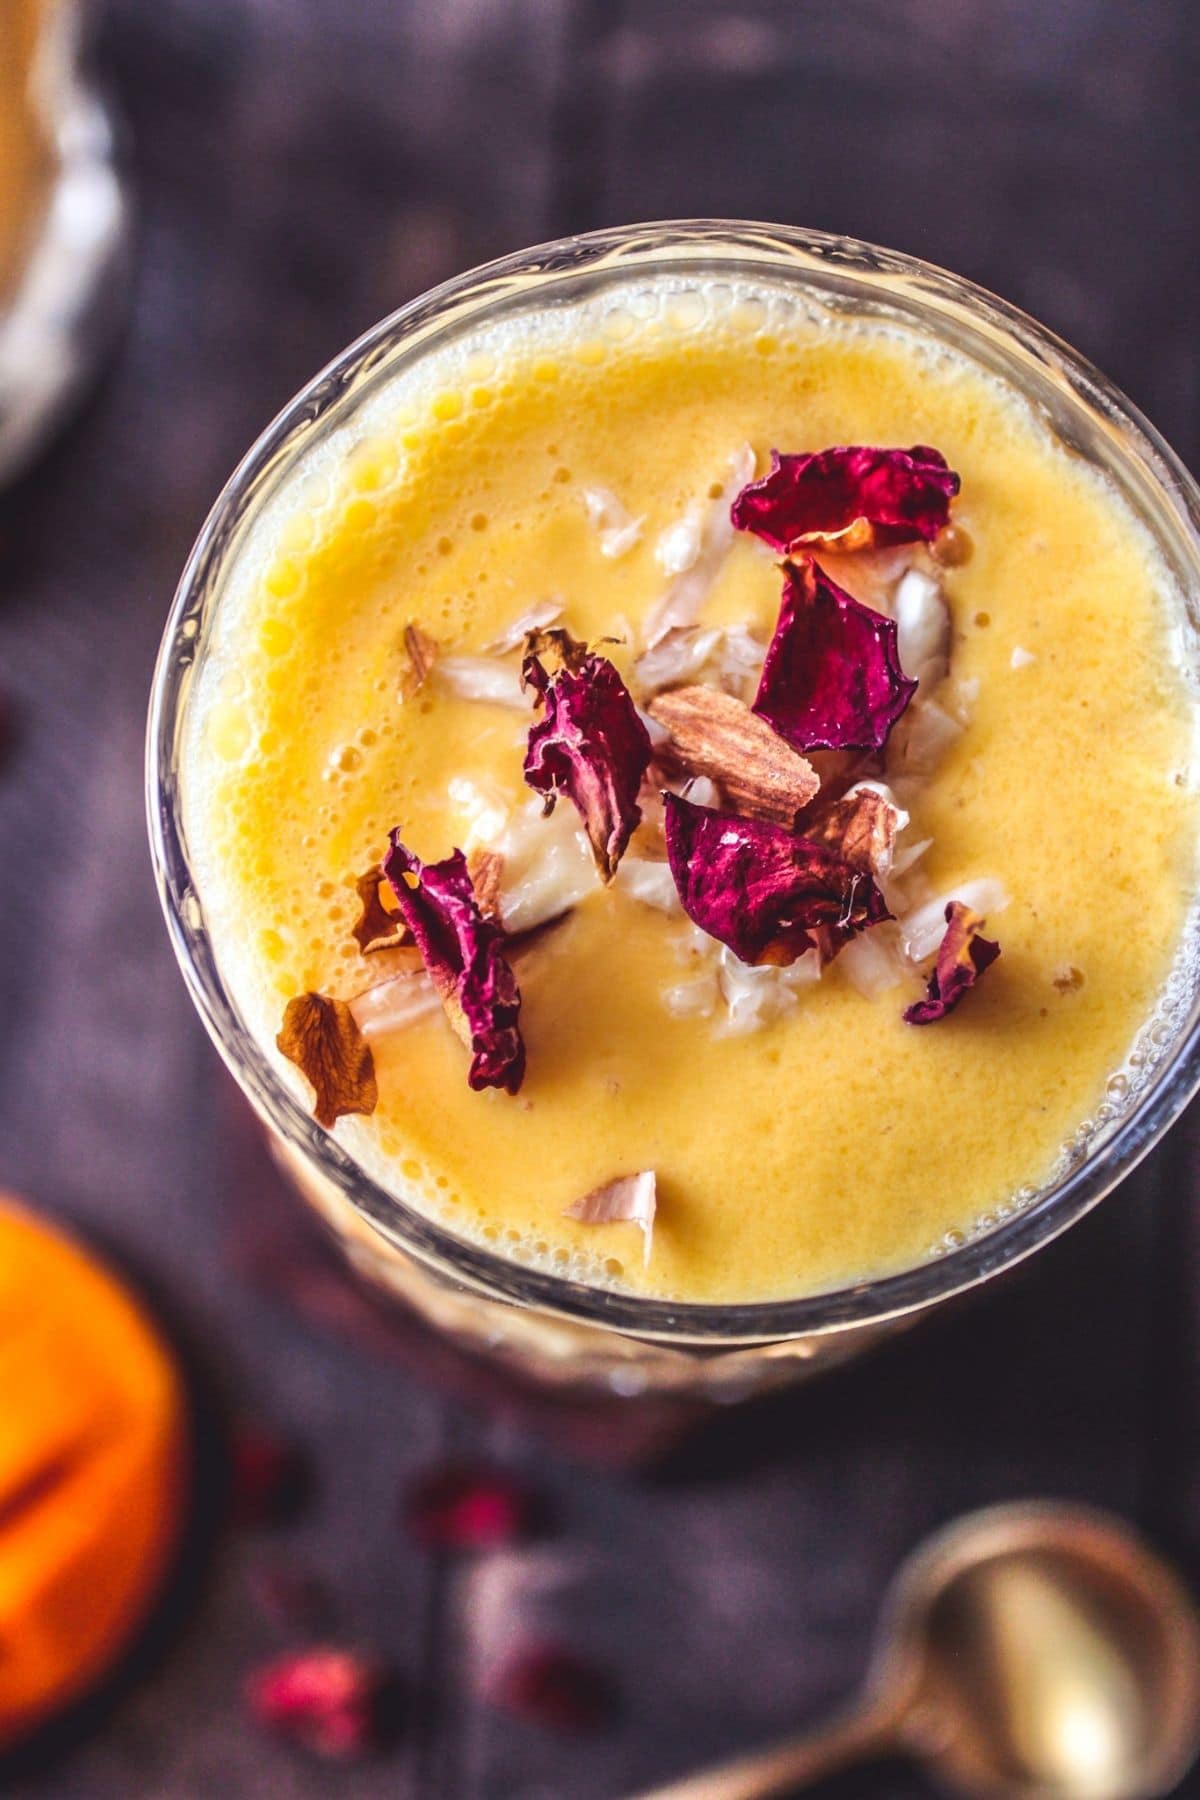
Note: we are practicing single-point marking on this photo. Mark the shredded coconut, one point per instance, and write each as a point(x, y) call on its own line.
point(617, 529)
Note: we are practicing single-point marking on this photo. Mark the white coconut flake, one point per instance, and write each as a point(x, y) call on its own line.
point(686, 593)
point(696, 998)
point(702, 791)
point(678, 547)
point(482, 808)
point(649, 882)
point(1022, 659)
point(546, 612)
point(922, 627)
point(618, 530)
point(923, 737)
point(548, 867)
point(483, 678)
point(923, 929)
point(873, 962)
point(871, 576)
point(394, 1005)
point(628, 1200)
point(728, 657)
point(755, 996)
point(905, 859)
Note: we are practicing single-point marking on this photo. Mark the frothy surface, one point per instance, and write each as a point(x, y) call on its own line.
point(837, 1143)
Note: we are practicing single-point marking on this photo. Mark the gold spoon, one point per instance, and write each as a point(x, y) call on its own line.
point(1028, 1650)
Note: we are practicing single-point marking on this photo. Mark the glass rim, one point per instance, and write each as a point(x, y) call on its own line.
point(641, 247)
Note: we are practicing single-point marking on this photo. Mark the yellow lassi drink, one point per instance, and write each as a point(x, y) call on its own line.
point(770, 663)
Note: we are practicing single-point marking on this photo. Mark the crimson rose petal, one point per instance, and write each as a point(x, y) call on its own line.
point(962, 957)
point(460, 1506)
point(464, 955)
point(849, 498)
point(591, 745)
point(339, 1703)
point(550, 1684)
point(831, 678)
point(758, 887)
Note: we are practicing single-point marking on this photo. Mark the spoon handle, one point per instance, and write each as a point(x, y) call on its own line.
point(796, 1762)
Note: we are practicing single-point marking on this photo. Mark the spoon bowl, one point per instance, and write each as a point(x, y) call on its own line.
point(1033, 1651)
point(1044, 1650)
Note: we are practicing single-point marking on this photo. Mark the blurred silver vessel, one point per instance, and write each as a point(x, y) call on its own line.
point(64, 224)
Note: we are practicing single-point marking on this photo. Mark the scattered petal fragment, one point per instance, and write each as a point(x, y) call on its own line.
point(715, 735)
point(849, 498)
point(766, 892)
point(338, 1703)
point(548, 1684)
point(420, 654)
point(627, 1200)
point(322, 1037)
point(379, 925)
point(832, 678)
point(961, 959)
point(589, 743)
point(469, 1506)
point(464, 956)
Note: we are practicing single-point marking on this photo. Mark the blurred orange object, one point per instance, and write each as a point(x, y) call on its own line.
point(93, 1454)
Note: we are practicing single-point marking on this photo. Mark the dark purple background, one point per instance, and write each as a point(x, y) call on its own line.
point(305, 166)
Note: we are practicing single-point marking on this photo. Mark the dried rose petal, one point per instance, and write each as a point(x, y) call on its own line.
point(961, 959)
point(589, 743)
point(379, 927)
point(464, 956)
point(550, 1684)
point(849, 498)
point(322, 1037)
point(627, 1200)
point(487, 876)
point(832, 678)
point(469, 1506)
point(269, 1477)
point(339, 1703)
point(766, 892)
point(420, 654)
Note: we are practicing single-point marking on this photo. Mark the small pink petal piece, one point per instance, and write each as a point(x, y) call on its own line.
point(269, 1477)
point(469, 1506)
point(853, 497)
point(339, 1703)
point(962, 958)
point(628, 1200)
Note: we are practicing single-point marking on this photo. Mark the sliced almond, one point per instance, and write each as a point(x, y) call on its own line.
point(420, 654)
point(487, 872)
point(628, 1200)
point(861, 827)
point(715, 735)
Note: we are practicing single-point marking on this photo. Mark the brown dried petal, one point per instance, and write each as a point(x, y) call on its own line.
point(380, 926)
point(627, 1200)
point(714, 734)
point(556, 649)
point(420, 652)
point(861, 827)
point(322, 1038)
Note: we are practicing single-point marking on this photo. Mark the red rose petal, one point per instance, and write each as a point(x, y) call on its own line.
point(550, 1685)
point(766, 892)
point(269, 1477)
point(464, 955)
point(961, 959)
point(589, 744)
point(465, 1506)
point(339, 1703)
point(849, 498)
point(831, 679)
